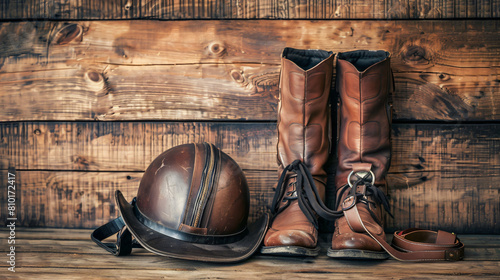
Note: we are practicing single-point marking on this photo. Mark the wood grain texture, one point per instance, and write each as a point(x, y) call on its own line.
point(435, 200)
point(471, 150)
point(208, 70)
point(442, 176)
point(131, 146)
point(450, 201)
point(44, 240)
point(86, 199)
point(38, 235)
point(262, 268)
point(248, 9)
point(40, 255)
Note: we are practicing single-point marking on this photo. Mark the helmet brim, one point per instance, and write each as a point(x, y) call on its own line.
point(161, 244)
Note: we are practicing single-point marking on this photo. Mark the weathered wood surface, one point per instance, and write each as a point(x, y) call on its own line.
point(470, 149)
point(86, 199)
point(129, 146)
point(142, 70)
point(249, 9)
point(442, 176)
point(448, 201)
point(264, 269)
point(69, 254)
point(37, 235)
point(452, 201)
point(476, 251)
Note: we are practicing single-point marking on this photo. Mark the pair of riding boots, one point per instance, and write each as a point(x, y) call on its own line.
point(363, 83)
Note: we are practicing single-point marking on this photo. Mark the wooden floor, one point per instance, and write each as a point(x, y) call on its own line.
point(70, 254)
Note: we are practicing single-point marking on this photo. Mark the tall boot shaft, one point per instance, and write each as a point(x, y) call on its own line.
point(303, 139)
point(364, 80)
point(304, 112)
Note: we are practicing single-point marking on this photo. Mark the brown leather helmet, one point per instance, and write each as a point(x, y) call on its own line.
point(192, 203)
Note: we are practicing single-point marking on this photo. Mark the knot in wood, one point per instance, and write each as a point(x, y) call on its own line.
point(94, 76)
point(444, 76)
point(68, 33)
point(128, 5)
point(416, 55)
point(216, 49)
point(237, 76)
point(97, 82)
point(81, 162)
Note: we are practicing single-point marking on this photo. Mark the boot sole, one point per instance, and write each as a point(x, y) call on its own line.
point(290, 251)
point(354, 254)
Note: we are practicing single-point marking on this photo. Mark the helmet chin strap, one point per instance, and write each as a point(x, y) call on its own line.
point(124, 242)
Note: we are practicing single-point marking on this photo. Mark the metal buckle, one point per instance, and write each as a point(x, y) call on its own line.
point(362, 174)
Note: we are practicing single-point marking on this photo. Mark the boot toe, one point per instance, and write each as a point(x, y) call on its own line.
point(289, 238)
point(356, 241)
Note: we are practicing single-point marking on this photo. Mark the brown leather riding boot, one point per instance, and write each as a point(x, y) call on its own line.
point(303, 150)
point(364, 81)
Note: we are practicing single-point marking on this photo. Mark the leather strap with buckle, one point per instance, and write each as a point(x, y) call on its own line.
point(413, 244)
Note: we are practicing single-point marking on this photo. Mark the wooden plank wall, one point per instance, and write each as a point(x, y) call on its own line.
point(88, 101)
point(248, 9)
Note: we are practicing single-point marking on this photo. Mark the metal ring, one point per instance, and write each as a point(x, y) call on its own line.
point(352, 172)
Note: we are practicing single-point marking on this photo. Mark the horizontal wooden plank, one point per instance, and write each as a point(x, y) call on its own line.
point(264, 9)
point(131, 146)
point(86, 199)
point(265, 269)
point(54, 234)
point(191, 92)
point(454, 202)
point(70, 259)
point(199, 70)
point(232, 91)
point(434, 200)
point(469, 149)
point(40, 236)
point(414, 44)
point(40, 247)
point(69, 253)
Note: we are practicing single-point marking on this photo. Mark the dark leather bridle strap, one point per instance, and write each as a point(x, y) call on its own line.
point(307, 195)
point(412, 244)
point(124, 242)
point(123, 245)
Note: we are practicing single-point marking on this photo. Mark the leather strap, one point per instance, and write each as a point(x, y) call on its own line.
point(124, 243)
point(412, 244)
point(307, 195)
